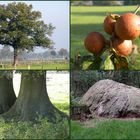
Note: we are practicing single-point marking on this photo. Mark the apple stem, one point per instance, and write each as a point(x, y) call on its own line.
point(137, 9)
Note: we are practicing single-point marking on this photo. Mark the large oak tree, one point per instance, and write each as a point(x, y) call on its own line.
point(22, 28)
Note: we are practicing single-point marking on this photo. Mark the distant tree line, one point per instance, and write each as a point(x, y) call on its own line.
point(131, 2)
point(104, 2)
point(81, 81)
point(6, 53)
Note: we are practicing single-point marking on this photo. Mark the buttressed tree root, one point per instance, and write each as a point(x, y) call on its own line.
point(33, 100)
point(7, 95)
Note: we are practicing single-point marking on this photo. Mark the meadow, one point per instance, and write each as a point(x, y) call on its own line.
point(89, 19)
point(37, 65)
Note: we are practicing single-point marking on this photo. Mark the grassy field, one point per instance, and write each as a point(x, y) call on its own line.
point(88, 19)
point(40, 66)
point(106, 129)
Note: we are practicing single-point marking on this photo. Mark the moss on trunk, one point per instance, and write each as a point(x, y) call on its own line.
point(33, 100)
point(7, 95)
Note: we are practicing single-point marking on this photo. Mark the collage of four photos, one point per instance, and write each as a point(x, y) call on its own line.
point(70, 69)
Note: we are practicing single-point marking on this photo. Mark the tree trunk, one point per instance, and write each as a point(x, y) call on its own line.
point(15, 63)
point(7, 95)
point(33, 100)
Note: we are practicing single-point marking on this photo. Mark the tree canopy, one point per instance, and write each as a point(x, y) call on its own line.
point(20, 26)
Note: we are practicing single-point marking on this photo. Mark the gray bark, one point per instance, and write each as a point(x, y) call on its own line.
point(33, 100)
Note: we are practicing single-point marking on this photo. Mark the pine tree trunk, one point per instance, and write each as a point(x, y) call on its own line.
point(15, 63)
point(7, 95)
point(33, 100)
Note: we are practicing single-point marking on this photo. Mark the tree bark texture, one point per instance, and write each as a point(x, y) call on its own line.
point(33, 101)
point(15, 62)
point(7, 95)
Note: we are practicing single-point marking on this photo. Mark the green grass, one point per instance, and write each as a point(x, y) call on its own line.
point(61, 101)
point(40, 66)
point(107, 129)
point(64, 107)
point(87, 19)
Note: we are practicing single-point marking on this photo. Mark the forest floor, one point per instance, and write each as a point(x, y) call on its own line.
point(106, 129)
point(90, 19)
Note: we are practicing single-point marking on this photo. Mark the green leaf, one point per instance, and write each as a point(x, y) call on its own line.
point(108, 65)
point(86, 65)
point(96, 64)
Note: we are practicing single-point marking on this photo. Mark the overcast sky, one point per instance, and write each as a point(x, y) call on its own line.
point(57, 13)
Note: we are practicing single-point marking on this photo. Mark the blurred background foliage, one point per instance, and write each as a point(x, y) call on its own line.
point(81, 81)
point(104, 2)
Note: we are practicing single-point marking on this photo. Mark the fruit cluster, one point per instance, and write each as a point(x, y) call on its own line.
point(122, 30)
